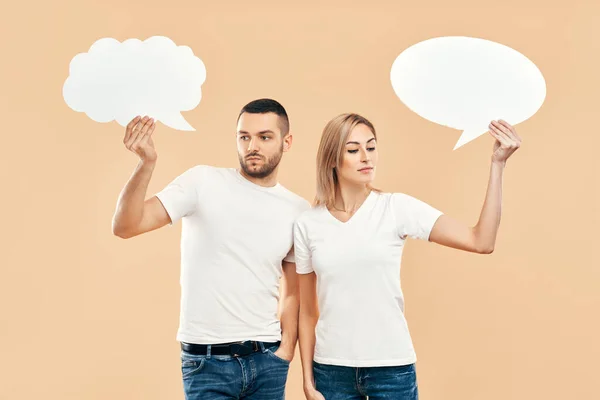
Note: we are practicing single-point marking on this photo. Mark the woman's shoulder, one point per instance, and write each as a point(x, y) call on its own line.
point(395, 200)
point(384, 197)
point(314, 212)
point(311, 212)
point(392, 196)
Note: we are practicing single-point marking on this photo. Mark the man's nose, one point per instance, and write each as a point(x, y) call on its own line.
point(252, 145)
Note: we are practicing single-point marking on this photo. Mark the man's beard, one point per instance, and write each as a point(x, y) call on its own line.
point(263, 171)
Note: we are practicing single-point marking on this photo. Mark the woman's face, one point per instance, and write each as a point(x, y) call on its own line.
point(360, 157)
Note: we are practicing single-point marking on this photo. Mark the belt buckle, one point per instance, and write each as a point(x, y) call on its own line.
point(241, 349)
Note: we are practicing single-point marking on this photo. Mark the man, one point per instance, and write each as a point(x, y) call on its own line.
point(236, 244)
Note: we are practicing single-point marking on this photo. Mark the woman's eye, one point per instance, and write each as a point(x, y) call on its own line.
point(371, 148)
point(352, 151)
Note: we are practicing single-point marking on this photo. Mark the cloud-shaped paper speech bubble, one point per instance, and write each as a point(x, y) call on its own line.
point(465, 83)
point(117, 81)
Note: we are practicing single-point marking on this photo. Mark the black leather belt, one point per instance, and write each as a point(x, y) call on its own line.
point(227, 349)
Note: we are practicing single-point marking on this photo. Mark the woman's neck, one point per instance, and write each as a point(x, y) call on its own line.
point(349, 198)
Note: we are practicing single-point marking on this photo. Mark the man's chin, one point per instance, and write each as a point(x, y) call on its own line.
point(253, 170)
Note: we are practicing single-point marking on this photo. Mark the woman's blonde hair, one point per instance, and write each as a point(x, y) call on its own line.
point(330, 155)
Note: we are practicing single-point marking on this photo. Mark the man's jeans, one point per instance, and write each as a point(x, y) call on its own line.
point(258, 376)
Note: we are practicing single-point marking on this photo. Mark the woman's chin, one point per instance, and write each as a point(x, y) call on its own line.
point(363, 180)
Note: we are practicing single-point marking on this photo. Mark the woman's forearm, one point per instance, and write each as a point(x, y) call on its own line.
point(306, 338)
point(489, 220)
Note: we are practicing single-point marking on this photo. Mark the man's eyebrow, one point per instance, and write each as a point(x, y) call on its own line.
point(260, 133)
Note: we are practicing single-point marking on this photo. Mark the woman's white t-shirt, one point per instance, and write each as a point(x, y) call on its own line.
point(357, 264)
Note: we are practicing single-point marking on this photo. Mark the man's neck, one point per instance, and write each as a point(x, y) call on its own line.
point(268, 181)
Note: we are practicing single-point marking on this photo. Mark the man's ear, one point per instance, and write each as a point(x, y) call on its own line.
point(287, 142)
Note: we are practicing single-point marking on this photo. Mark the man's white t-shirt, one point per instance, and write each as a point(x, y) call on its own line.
point(357, 264)
point(234, 237)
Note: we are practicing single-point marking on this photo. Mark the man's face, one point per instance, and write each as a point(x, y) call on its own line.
point(259, 143)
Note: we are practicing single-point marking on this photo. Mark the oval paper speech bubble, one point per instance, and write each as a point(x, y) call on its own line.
point(465, 83)
point(117, 81)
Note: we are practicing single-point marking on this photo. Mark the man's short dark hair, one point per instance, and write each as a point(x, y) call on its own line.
point(263, 106)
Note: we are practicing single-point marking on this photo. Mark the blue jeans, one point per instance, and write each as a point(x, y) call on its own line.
point(379, 383)
point(258, 376)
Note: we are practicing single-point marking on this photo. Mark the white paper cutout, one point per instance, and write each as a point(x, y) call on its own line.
point(465, 83)
point(117, 81)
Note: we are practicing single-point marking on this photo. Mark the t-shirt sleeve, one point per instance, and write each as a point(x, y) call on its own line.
point(414, 218)
point(302, 250)
point(180, 196)
point(290, 257)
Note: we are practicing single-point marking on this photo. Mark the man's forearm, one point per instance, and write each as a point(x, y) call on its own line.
point(130, 205)
point(289, 323)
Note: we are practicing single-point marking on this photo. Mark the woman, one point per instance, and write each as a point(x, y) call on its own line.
point(354, 340)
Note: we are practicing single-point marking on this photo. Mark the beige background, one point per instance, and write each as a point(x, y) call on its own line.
point(85, 315)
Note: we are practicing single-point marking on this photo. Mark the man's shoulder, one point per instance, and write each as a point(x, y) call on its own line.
point(297, 201)
point(209, 168)
point(207, 171)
